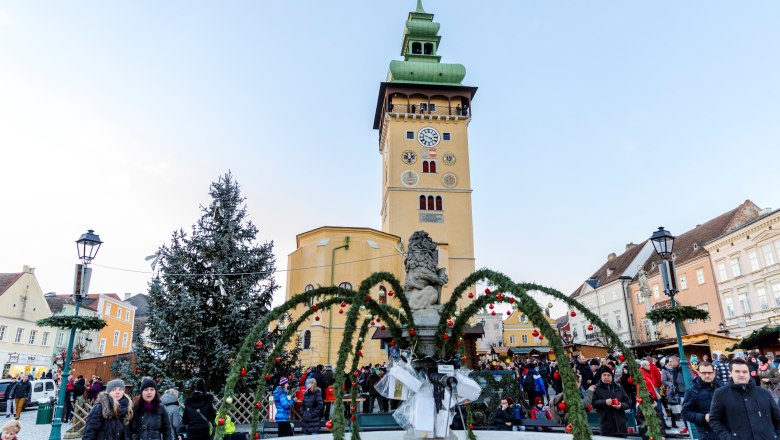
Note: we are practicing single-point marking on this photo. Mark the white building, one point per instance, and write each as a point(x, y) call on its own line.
point(493, 325)
point(746, 263)
point(606, 294)
point(85, 342)
point(24, 347)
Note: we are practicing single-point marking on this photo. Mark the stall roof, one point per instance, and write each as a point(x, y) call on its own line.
point(528, 350)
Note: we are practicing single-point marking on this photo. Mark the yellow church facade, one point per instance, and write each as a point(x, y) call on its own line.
point(422, 117)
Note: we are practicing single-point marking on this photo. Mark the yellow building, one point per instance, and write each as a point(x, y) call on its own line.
point(519, 334)
point(24, 347)
point(422, 115)
point(117, 336)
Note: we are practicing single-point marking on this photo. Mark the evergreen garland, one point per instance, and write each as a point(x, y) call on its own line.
point(469, 423)
point(66, 322)
point(355, 366)
point(677, 313)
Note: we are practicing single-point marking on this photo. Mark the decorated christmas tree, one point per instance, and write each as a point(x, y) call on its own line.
point(213, 284)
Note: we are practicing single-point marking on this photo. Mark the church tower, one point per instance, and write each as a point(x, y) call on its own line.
point(422, 115)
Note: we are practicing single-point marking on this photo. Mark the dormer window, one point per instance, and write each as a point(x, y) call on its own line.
point(416, 48)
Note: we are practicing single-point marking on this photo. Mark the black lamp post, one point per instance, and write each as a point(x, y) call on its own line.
point(663, 242)
point(87, 247)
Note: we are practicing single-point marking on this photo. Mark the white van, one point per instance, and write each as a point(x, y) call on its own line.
point(42, 389)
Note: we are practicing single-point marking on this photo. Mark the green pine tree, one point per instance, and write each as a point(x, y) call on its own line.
point(213, 285)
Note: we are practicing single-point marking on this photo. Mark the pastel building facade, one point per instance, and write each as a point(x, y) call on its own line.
point(746, 265)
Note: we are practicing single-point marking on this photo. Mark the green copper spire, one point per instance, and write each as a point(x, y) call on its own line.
point(421, 63)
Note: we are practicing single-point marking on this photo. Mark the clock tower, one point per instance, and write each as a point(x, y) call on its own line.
point(422, 115)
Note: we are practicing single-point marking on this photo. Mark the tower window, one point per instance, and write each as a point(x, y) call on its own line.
point(417, 48)
point(445, 136)
point(431, 203)
point(438, 203)
point(307, 339)
point(429, 166)
point(423, 204)
point(409, 135)
point(428, 48)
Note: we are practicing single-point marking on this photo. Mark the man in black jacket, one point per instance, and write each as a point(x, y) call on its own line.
point(610, 402)
point(743, 410)
point(698, 400)
point(21, 394)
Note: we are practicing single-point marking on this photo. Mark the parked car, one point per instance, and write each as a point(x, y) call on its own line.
point(42, 389)
point(5, 384)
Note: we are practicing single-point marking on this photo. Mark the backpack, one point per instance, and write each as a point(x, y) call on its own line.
point(529, 384)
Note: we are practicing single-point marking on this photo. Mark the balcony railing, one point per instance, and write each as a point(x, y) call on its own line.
point(416, 109)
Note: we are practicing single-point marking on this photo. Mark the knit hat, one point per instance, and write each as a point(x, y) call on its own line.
point(603, 370)
point(115, 383)
point(282, 381)
point(147, 382)
point(595, 362)
point(537, 401)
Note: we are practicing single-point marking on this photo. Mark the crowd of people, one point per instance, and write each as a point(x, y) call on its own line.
point(728, 397)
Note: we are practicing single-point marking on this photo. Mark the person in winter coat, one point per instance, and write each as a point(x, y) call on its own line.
point(539, 413)
point(283, 404)
point(150, 421)
point(79, 388)
point(610, 402)
point(674, 384)
point(110, 417)
point(562, 415)
point(21, 393)
point(742, 410)
point(628, 385)
point(722, 370)
point(199, 412)
point(170, 401)
point(311, 409)
point(533, 385)
point(69, 398)
point(698, 400)
point(95, 387)
point(768, 376)
point(10, 409)
point(503, 417)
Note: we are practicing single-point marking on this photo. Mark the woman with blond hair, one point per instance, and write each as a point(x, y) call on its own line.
point(111, 415)
point(311, 410)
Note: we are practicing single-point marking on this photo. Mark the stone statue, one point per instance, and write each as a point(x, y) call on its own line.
point(644, 286)
point(423, 278)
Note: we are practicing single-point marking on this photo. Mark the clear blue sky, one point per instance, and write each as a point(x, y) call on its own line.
point(595, 122)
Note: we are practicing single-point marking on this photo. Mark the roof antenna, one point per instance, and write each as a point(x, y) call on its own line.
point(420, 9)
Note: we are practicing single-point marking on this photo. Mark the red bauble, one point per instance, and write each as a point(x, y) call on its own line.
point(621, 358)
point(341, 311)
point(512, 300)
point(359, 353)
point(535, 333)
point(450, 323)
point(487, 291)
point(458, 343)
point(463, 358)
point(630, 380)
point(499, 296)
point(467, 403)
point(562, 406)
point(373, 323)
point(541, 337)
point(259, 405)
point(445, 336)
point(590, 408)
point(471, 295)
point(630, 430)
point(278, 359)
point(259, 344)
point(242, 372)
point(573, 314)
point(352, 408)
point(550, 350)
point(343, 303)
point(315, 307)
point(354, 384)
point(568, 429)
point(378, 319)
point(390, 293)
point(490, 306)
point(382, 327)
point(267, 377)
point(329, 424)
point(257, 436)
point(508, 313)
point(411, 332)
point(471, 427)
point(352, 418)
point(638, 400)
point(356, 374)
point(316, 318)
point(392, 343)
point(590, 328)
point(557, 376)
point(221, 421)
point(368, 297)
point(493, 313)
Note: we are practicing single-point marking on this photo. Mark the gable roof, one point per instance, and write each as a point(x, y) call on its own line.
point(90, 302)
point(612, 269)
point(7, 280)
point(689, 245)
point(141, 303)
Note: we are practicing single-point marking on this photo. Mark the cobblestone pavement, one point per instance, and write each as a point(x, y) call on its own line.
point(31, 431)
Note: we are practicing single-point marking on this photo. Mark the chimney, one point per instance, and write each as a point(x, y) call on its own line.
point(765, 211)
point(28, 269)
point(127, 296)
point(611, 256)
point(630, 245)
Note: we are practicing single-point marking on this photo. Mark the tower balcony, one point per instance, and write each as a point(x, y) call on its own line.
point(422, 109)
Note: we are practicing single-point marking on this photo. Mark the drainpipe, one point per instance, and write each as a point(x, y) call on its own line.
point(345, 246)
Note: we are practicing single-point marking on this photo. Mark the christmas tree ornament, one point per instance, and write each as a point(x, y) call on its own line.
point(267, 377)
point(258, 405)
point(390, 293)
point(491, 306)
point(590, 327)
point(329, 425)
point(450, 323)
point(458, 343)
point(445, 336)
point(341, 311)
point(316, 318)
point(573, 314)
point(354, 384)
point(373, 323)
point(621, 358)
point(242, 372)
point(638, 400)
point(353, 418)
point(314, 307)
point(512, 300)
point(562, 406)
point(343, 303)
point(259, 344)
point(568, 429)
point(487, 291)
point(508, 313)
point(382, 327)
point(630, 380)
point(471, 295)
point(557, 376)
point(368, 298)
point(535, 333)
point(541, 337)
point(499, 296)
point(221, 421)
point(359, 353)
point(493, 313)
point(257, 436)
point(392, 343)
point(411, 332)
point(278, 359)
point(229, 400)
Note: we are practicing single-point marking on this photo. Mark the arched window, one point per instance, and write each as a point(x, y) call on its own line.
point(428, 48)
point(430, 203)
point(307, 339)
point(416, 48)
point(346, 285)
point(433, 166)
point(438, 203)
point(382, 295)
point(309, 287)
point(426, 168)
point(423, 205)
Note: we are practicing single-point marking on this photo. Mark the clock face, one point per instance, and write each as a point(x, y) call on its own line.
point(409, 157)
point(428, 136)
point(448, 158)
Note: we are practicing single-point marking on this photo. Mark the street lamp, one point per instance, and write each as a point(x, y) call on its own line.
point(87, 247)
point(663, 242)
